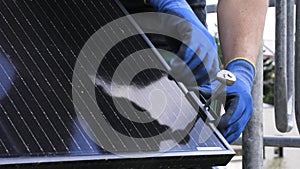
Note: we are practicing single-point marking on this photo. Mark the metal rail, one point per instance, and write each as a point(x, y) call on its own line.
point(290, 62)
point(283, 98)
point(277, 141)
point(297, 66)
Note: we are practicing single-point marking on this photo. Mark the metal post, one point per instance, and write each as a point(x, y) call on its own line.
point(253, 133)
point(297, 65)
point(290, 63)
point(283, 114)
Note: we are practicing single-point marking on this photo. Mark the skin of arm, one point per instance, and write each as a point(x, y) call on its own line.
point(241, 24)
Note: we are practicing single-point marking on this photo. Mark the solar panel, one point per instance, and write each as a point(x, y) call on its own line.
point(59, 103)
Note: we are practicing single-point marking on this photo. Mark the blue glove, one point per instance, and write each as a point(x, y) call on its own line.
point(238, 105)
point(197, 59)
point(7, 73)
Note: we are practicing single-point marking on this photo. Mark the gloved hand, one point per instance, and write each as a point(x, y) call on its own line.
point(197, 59)
point(238, 105)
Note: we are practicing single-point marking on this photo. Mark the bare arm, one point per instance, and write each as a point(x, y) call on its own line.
point(241, 24)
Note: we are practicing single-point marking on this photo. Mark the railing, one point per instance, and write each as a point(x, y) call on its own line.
point(297, 66)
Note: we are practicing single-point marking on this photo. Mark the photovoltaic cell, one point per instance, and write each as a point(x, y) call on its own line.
point(40, 41)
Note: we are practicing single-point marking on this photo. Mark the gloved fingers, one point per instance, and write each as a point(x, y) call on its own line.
point(234, 109)
point(234, 131)
point(238, 111)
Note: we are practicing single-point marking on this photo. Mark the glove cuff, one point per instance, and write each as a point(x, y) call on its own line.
point(244, 70)
point(242, 58)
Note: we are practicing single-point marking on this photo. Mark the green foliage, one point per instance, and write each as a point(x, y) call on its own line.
point(268, 86)
point(219, 49)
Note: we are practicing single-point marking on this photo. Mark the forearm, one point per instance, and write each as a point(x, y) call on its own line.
point(241, 24)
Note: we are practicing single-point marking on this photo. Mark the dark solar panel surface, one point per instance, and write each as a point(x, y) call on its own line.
point(40, 41)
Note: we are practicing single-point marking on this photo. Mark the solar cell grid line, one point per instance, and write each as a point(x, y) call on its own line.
point(29, 110)
point(61, 68)
point(71, 51)
point(21, 117)
point(62, 10)
point(16, 130)
point(22, 97)
point(1, 86)
point(50, 122)
point(62, 122)
point(128, 65)
point(51, 71)
point(27, 127)
point(6, 150)
point(19, 135)
point(121, 54)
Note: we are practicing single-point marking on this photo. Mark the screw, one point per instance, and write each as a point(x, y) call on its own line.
point(226, 78)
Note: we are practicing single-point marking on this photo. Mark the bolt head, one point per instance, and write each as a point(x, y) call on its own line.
point(226, 77)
